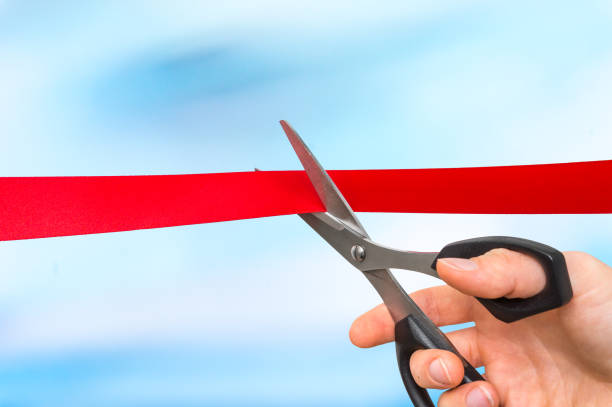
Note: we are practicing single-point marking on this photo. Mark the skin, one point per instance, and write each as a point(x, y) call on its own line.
point(558, 358)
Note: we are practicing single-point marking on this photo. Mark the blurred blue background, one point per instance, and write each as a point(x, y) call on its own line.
point(256, 312)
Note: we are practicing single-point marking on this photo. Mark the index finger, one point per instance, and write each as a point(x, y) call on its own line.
point(444, 305)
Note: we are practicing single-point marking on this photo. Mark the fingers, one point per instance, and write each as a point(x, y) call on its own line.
point(475, 394)
point(376, 327)
point(440, 369)
point(436, 369)
point(428, 365)
point(373, 328)
point(443, 305)
point(465, 341)
point(497, 273)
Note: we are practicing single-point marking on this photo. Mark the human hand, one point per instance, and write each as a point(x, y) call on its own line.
point(558, 358)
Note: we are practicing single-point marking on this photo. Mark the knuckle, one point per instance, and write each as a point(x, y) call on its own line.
point(585, 264)
point(581, 258)
point(496, 260)
point(499, 257)
point(501, 266)
point(429, 305)
point(470, 352)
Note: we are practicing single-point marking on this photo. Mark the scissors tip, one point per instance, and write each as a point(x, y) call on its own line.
point(296, 141)
point(330, 196)
point(288, 129)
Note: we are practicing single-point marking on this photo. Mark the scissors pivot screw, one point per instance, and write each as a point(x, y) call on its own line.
point(358, 253)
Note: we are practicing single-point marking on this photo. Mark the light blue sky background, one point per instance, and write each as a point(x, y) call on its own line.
point(256, 312)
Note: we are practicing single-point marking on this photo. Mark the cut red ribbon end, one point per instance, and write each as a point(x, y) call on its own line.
point(36, 207)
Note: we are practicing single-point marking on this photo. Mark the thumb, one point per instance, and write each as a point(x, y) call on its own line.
point(497, 273)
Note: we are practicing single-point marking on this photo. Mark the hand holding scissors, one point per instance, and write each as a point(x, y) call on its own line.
point(413, 330)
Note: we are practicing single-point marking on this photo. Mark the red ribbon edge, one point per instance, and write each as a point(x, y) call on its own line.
point(37, 207)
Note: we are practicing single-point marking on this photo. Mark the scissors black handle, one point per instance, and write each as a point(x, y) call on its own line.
point(417, 332)
point(557, 290)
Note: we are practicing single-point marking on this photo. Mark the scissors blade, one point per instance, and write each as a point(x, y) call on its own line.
point(330, 195)
point(342, 238)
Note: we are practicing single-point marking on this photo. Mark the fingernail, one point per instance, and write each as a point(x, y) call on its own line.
point(459, 264)
point(439, 372)
point(479, 397)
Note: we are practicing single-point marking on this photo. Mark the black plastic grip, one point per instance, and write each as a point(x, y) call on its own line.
point(556, 292)
point(417, 332)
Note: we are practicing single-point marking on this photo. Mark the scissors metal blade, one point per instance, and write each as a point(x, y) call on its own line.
point(341, 238)
point(342, 230)
point(330, 195)
point(374, 256)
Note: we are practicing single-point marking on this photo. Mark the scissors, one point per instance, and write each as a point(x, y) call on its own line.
point(340, 227)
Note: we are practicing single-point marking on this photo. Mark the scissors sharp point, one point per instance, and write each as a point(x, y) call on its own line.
point(328, 192)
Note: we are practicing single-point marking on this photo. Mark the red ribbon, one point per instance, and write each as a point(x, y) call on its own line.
point(35, 207)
